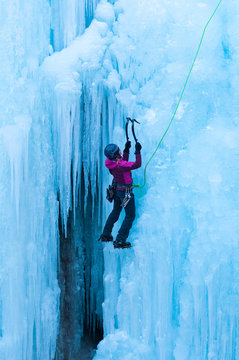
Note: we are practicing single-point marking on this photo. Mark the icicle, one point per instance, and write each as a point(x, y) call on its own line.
point(16, 142)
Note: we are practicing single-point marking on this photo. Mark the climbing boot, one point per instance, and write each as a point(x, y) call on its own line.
point(106, 238)
point(121, 245)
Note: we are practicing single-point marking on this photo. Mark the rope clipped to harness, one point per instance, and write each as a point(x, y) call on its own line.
point(180, 98)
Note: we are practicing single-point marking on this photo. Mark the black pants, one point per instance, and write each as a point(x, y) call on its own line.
point(114, 216)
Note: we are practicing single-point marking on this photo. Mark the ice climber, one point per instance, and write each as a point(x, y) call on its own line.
point(123, 195)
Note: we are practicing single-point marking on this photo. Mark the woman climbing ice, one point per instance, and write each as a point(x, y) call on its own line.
point(121, 168)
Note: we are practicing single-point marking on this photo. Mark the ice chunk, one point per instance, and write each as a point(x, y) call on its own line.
point(105, 12)
point(122, 346)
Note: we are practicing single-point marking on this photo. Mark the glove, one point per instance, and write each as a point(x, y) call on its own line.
point(138, 147)
point(127, 146)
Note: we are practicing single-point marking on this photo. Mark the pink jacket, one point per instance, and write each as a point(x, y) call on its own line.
point(121, 168)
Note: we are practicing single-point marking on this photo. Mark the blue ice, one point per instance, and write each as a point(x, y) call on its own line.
point(70, 73)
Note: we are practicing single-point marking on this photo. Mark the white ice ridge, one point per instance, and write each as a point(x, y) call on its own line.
point(81, 82)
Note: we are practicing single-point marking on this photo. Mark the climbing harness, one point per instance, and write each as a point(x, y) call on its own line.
point(180, 98)
point(128, 188)
point(124, 187)
point(128, 119)
point(111, 192)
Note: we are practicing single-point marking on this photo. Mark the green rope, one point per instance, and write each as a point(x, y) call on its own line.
point(180, 98)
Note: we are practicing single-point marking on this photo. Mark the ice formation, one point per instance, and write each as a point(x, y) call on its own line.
point(70, 74)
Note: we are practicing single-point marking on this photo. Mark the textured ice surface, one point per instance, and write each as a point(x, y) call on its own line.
point(28, 216)
point(176, 291)
point(29, 210)
point(69, 19)
point(120, 346)
point(175, 294)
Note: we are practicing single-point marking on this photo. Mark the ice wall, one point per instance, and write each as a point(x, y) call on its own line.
point(175, 294)
point(34, 176)
point(29, 210)
point(69, 19)
point(79, 85)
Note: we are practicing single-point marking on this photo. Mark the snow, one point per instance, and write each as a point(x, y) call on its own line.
point(76, 70)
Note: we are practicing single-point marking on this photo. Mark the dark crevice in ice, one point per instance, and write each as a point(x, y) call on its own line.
point(80, 276)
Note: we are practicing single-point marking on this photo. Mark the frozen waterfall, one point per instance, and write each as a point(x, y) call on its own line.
point(71, 71)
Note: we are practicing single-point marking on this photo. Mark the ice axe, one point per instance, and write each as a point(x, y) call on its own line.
point(128, 119)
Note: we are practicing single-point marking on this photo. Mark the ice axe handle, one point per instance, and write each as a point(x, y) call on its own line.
point(126, 129)
point(136, 140)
